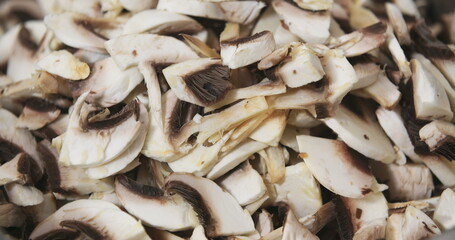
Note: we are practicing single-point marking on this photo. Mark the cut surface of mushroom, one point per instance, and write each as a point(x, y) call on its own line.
point(37, 113)
point(444, 213)
point(151, 205)
point(19, 170)
point(412, 224)
point(64, 64)
point(22, 195)
point(293, 229)
point(210, 202)
point(244, 51)
point(383, 91)
point(271, 129)
point(440, 137)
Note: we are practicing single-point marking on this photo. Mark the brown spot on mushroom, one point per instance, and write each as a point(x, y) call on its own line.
point(365, 191)
point(303, 155)
point(26, 40)
point(366, 137)
point(358, 213)
point(134, 53)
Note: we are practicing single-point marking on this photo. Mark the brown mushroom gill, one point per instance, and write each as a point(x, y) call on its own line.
point(116, 117)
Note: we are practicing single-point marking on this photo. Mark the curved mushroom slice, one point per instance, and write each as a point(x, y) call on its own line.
point(440, 138)
point(53, 129)
point(37, 113)
point(310, 26)
point(318, 5)
point(244, 51)
point(398, 23)
point(306, 97)
point(430, 98)
point(383, 91)
point(367, 73)
point(199, 81)
point(271, 129)
point(23, 195)
point(243, 12)
point(138, 5)
point(92, 142)
point(211, 203)
point(21, 169)
point(275, 160)
point(78, 31)
point(412, 224)
point(320, 155)
point(129, 50)
point(363, 135)
point(365, 217)
point(161, 22)
point(127, 157)
point(301, 67)
point(153, 207)
point(62, 63)
point(244, 184)
point(444, 215)
point(297, 184)
point(108, 84)
point(302, 119)
point(11, 216)
point(363, 40)
point(106, 222)
point(106, 196)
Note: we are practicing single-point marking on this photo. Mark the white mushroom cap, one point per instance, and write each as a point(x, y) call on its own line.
point(444, 215)
point(211, 203)
point(64, 64)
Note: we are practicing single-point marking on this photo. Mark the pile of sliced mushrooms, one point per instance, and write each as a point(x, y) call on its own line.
point(223, 119)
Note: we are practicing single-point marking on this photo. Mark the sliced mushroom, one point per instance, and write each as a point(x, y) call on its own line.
point(383, 91)
point(399, 56)
point(271, 129)
point(275, 160)
point(363, 135)
point(289, 137)
point(200, 47)
point(62, 63)
point(320, 155)
point(318, 5)
point(293, 229)
point(441, 167)
point(310, 26)
point(315, 222)
point(22, 195)
point(430, 98)
point(210, 202)
point(440, 138)
point(43, 210)
point(264, 223)
point(398, 23)
point(244, 175)
point(200, 81)
point(239, 52)
point(151, 205)
point(161, 22)
point(297, 184)
point(198, 233)
point(109, 136)
point(11, 215)
point(367, 74)
point(306, 97)
point(106, 221)
point(444, 213)
point(21, 169)
point(53, 129)
point(37, 113)
point(243, 12)
point(412, 224)
point(274, 58)
point(138, 5)
point(300, 68)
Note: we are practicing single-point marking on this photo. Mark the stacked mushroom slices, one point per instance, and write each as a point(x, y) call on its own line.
point(227, 119)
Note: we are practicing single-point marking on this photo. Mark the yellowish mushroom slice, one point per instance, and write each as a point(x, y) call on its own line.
point(444, 212)
point(152, 206)
point(440, 137)
point(64, 64)
point(211, 203)
point(37, 113)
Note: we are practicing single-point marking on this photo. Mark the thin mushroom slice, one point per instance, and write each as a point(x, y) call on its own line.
point(64, 64)
point(271, 129)
point(200, 46)
point(200, 81)
point(243, 12)
point(92, 142)
point(398, 23)
point(274, 58)
point(152, 206)
point(399, 56)
point(244, 51)
point(412, 224)
point(320, 155)
point(20, 169)
point(440, 138)
point(298, 183)
point(77, 30)
point(106, 221)
point(107, 83)
point(441, 167)
point(138, 5)
point(310, 26)
point(210, 203)
point(293, 229)
point(161, 22)
point(363, 135)
point(129, 50)
point(367, 73)
point(315, 222)
point(37, 113)
point(318, 5)
point(444, 212)
point(275, 161)
point(366, 217)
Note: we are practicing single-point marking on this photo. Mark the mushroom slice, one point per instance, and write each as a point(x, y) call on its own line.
point(298, 183)
point(274, 58)
point(300, 68)
point(200, 81)
point(365, 217)
point(106, 222)
point(151, 206)
point(289, 137)
point(103, 139)
point(412, 224)
point(161, 22)
point(108, 84)
point(23, 195)
point(430, 98)
point(444, 213)
point(302, 119)
point(314, 5)
point(383, 91)
point(244, 51)
point(363, 135)
point(210, 202)
point(129, 50)
point(7, 41)
point(363, 40)
point(37, 113)
point(264, 223)
point(440, 138)
point(293, 229)
point(64, 64)
point(398, 56)
point(406, 182)
point(138, 5)
point(398, 23)
point(11, 216)
point(367, 73)
point(320, 155)
point(306, 97)
point(200, 46)
point(442, 168)
point(271, 129)
point(244, 175)
point(77, 30)
point(310, 26)
point(243, 12)
point(19, 169)
point(275, 160)
point(315, 222)
point(236, 156)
